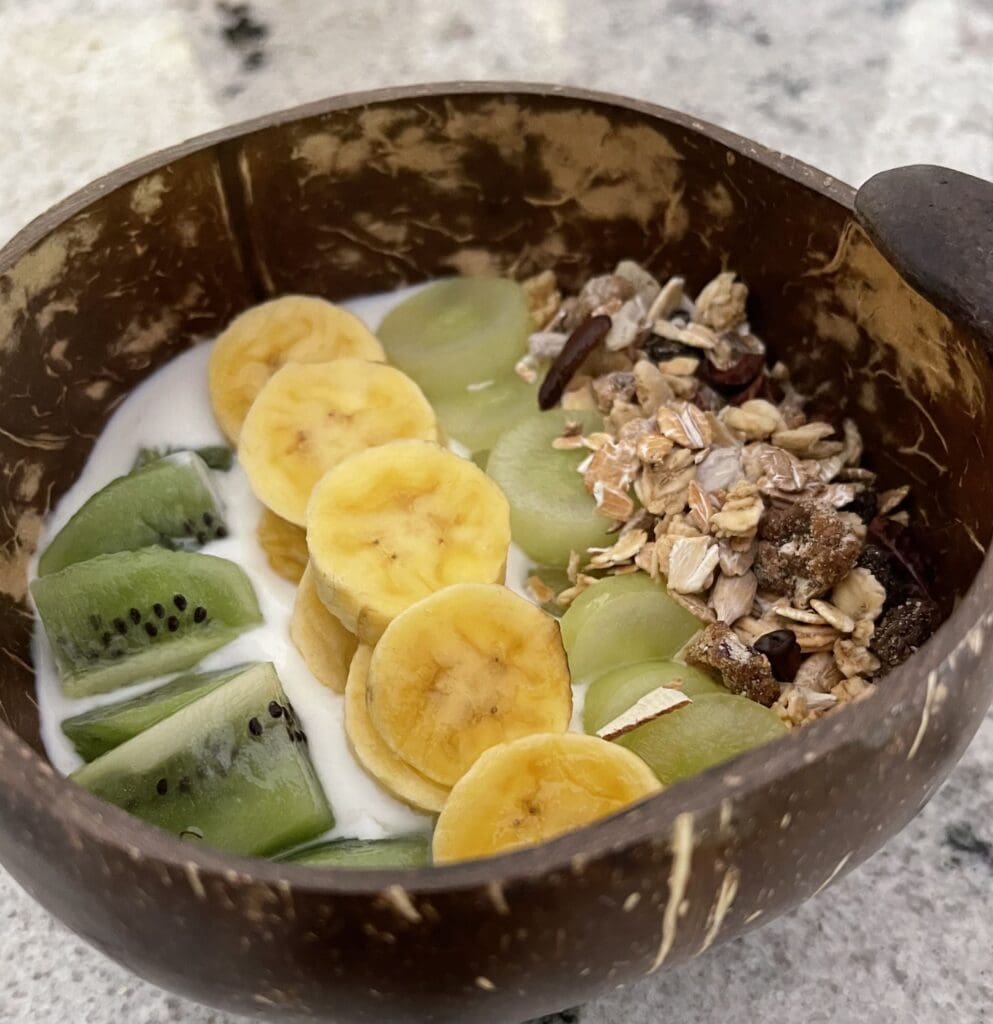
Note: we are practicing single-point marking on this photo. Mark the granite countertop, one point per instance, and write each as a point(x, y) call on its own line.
point(852, 86)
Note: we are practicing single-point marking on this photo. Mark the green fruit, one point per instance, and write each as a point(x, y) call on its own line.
point(403, 852)
point(95, 732)
point(622, 620)
point(714, 728)
point(457, 333)
point(118, 619)
point(611, 694)
point(551, 513)
point(477, 418)
point(215, 456)
point(230, 769)
point(170, 501)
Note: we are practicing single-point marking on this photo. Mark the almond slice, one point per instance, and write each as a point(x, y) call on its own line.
point(653, 705)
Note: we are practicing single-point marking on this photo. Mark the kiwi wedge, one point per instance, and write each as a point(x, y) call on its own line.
point(401, 852)
point(133, 615)
point(95, 732)
point(230, 770)
point(171, 501)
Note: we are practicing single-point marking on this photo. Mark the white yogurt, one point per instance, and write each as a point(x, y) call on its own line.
point(172, 409)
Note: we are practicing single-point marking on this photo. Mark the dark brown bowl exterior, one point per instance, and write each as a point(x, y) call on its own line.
point(367, 192)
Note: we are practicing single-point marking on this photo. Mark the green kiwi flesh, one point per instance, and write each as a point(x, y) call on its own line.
point(230, 770)
point(170, 501)
point(101, 729)
point(133, 615)
point(402, 852)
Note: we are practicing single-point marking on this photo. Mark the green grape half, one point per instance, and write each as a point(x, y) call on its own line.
point(457, 333)
point(551, 513)
point(623, 620)
point(713, 729)
point(614, 692)
point(478, 416)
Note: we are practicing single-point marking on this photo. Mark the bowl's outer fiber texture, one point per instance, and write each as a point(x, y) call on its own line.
point(363, 193)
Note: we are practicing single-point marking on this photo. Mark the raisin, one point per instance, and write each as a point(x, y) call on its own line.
point(784, 654)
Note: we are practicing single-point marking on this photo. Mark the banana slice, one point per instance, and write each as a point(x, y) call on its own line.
point(291, 329)
point(309, 417)
point(321, 639)
point(395, 523)
point(534, 789)
point(467, 668)
point(374, 755)
point(285, 545)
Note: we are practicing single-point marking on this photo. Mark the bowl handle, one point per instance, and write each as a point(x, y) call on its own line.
point(935, 226)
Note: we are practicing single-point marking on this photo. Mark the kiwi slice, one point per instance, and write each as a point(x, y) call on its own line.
point(170, 501)
point(230, 770)
point(402, 852)
point(95, 732)
point(117, 619)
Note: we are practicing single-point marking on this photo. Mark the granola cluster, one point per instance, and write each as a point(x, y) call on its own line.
point(758, 514)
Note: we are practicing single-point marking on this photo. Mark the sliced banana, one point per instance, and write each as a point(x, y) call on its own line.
point(534, 789)
point(393, 524)
point(309, 417)
point(469, 667)
point(324, 643)
point(291, 329)
point(374, 755)
point(285, 545)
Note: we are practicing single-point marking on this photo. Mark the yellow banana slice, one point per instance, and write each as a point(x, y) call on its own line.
point(285, 545)
point(291, 329)
point(534, 789)
point(374, 755)
point(469, 667)
point(393, 524)
point(321, 639)
point(309, 417)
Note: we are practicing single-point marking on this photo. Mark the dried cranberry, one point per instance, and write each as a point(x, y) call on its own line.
point(781, 648)
point(737, 376)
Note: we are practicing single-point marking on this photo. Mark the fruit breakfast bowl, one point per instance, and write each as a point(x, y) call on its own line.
point(878, 303)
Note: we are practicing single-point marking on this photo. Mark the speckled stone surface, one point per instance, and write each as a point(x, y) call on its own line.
point(852, 87)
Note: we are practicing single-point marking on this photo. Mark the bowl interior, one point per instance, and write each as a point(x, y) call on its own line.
point(357, 197)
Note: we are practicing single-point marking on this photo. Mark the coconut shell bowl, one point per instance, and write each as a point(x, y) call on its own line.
point(881, 301)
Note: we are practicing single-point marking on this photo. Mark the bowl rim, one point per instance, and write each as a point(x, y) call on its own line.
point(649, 820)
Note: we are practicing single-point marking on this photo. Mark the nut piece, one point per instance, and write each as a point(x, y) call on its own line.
point(804, 551)
point(744, 671)
point(543, 297)
point(733, 596)
point(721, 303)
point(653, 705)
point(853, 660)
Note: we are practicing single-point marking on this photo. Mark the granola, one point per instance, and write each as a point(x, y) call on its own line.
point(759, 516)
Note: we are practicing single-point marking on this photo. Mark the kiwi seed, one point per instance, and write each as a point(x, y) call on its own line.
point(150, 629)
point(199, 614)
point(173, 623)
point(159, 610)
point(180, 602)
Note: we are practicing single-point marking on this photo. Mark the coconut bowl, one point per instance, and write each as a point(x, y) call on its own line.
point(875, 300)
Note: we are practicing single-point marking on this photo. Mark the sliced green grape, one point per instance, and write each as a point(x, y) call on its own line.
point(478, 416)
point(614, 692)
point(622, 620)
point(457, 333)
point(400, 852)
point(551, 513)
point(714, 728)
